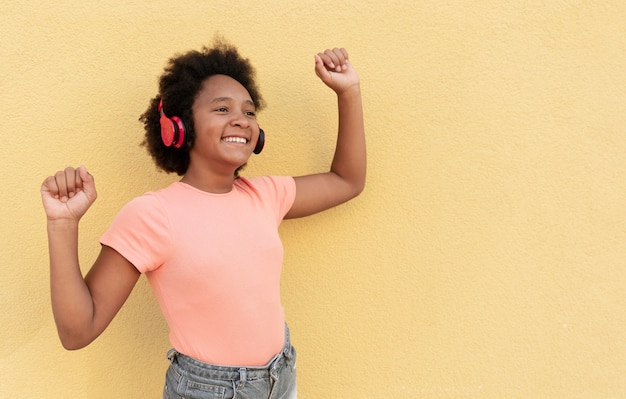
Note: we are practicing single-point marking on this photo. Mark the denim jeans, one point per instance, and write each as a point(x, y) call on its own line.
point(188, 378)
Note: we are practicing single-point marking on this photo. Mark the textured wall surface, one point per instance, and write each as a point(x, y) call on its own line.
point(486, 258)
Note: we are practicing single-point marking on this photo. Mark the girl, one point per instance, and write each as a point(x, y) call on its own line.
point(208, 243)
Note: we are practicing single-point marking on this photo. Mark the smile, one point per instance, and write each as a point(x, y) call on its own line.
point(235, 140)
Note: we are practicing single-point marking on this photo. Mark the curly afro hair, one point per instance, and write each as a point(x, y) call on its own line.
point(178, 87)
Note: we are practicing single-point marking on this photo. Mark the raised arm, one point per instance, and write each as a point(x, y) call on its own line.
point(82, 307)
point(346, 177)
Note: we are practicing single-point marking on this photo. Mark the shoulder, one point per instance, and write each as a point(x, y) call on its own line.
point(152, 203)
point(266, 183)
point(274, 192)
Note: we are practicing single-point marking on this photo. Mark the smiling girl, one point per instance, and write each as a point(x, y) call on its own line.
point(208, 243)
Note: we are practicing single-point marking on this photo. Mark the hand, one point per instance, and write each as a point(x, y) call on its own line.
point(68, 194)
point(335, 70)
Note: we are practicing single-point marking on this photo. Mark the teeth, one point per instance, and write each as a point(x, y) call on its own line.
point(235, 140)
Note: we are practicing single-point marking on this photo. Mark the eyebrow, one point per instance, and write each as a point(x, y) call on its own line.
point(221, 99)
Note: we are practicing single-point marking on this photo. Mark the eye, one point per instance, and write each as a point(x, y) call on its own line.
point(222, 109)
point(250, 113)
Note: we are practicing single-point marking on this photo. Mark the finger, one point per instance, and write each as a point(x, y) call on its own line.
point(340, 59)
point(320, 68)
point(70, 181)
point(78, 180)
point(85, 178)
point(60, 180)
point(51, 187)
point(325, 60)
point(335, 61)
point(343, 54)
point(329, 60)
point(87, 183)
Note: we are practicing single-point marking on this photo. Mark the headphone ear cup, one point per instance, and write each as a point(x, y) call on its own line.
point(179, 137)
point(168, 130)
point(260, 142)
point(172, 129)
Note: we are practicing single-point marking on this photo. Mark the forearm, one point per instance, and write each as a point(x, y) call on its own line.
point(346, 177)
point(349, 161)
point(72, 304)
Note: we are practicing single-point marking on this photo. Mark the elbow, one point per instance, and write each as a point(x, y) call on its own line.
point(72, 345)
point(354, 183)
point(360, 188)
point(356, 189)
point(359, 182)
point(73, 341)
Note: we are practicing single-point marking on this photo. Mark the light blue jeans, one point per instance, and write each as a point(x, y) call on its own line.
point(188, 378)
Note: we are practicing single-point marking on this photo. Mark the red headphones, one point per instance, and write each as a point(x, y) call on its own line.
point(173, 132)
point(172, 129)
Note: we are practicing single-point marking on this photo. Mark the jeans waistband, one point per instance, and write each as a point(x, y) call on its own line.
point(206, 370)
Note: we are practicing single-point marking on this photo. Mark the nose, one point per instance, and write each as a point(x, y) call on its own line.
point(240, 119)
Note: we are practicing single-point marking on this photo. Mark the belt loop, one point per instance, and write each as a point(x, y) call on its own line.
point(171, 355)
point(275, 366)
point(288, 349)
point(289, 354)
point(243, 377)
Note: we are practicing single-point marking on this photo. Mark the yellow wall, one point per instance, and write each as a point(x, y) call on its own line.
point(485, 258)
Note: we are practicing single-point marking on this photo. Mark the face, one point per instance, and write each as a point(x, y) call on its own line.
point(226, 130)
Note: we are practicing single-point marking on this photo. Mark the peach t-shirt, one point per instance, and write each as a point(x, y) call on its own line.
point(214, 263)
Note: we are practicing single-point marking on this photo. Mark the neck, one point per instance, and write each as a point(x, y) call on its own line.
point(210, 182)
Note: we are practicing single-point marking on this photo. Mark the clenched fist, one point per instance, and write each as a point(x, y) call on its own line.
point(68, 194)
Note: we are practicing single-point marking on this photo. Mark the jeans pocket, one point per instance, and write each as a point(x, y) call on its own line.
point(169, 393)
point(171, 382)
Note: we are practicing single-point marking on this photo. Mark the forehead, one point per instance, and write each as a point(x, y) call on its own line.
point(223, 86)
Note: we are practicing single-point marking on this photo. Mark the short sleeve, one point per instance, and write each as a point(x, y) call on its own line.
point(281, 191)
point(140, 233)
